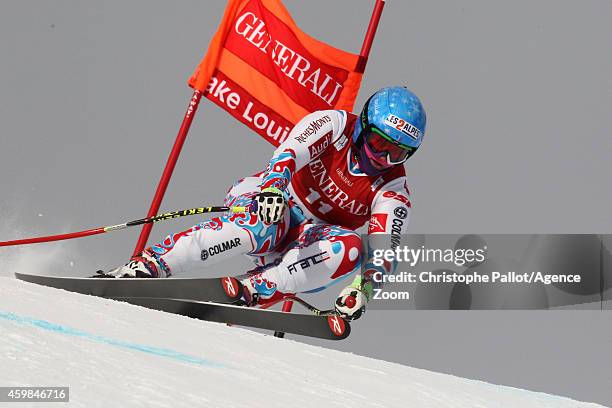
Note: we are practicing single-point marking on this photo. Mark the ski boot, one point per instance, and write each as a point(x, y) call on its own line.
point(257, 290)
point(140, 266)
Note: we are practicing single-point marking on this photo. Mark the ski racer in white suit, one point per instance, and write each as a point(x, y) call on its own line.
point(335, 172)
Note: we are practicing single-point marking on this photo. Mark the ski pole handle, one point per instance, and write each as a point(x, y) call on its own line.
point(101, 230)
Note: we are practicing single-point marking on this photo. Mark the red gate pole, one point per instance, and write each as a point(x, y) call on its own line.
point(369, 37)
point(167, 174)
point(364, 54)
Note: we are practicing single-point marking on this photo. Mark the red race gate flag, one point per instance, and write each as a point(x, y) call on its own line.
point(268, 74)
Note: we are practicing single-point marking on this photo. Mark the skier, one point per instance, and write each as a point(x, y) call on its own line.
point(335, 172)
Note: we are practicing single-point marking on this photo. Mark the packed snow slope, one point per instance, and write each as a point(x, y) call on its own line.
point(115, 354)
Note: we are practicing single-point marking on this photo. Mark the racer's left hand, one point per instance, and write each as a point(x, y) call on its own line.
point(350, 303)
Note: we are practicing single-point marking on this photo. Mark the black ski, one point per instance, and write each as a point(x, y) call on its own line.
point(330, 327)
point(224, 290)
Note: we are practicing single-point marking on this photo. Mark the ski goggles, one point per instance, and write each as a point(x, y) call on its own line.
point(380, 144)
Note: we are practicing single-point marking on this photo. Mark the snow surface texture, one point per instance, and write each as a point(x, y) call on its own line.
point(116, 354)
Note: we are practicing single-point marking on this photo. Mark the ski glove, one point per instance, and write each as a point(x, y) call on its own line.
point(270, 205)
point(350, 303)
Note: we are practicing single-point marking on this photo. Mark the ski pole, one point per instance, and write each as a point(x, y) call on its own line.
point(314, 310)
point(101, 230)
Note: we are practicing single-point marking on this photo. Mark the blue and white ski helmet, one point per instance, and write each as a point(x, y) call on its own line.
point(398, 113)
